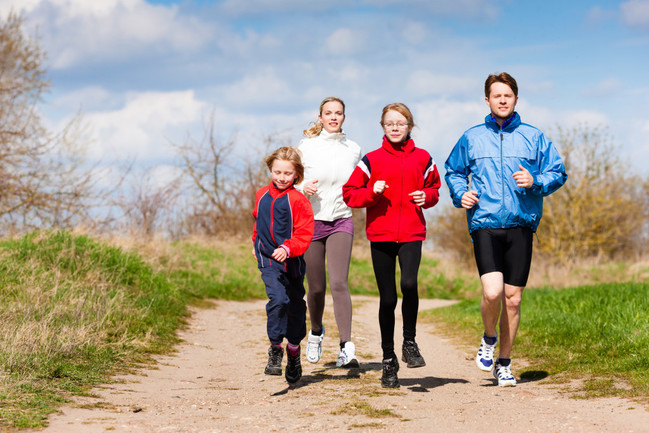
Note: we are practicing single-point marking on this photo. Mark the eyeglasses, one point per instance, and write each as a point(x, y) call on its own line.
point(390, 125)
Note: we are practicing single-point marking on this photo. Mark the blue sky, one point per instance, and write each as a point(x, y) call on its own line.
point(147, 73)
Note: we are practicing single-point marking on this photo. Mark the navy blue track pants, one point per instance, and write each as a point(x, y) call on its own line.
point(286, 308)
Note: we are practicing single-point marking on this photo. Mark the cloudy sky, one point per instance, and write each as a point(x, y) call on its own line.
point(146, 73)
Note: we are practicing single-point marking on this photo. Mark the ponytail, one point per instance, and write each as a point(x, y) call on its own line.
point(315, 130)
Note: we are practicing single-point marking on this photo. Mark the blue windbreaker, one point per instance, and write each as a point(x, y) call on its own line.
point(487, 157)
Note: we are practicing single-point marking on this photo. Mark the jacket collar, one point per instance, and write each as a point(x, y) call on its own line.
point(406, 147)
point(276, 192)
point(337, 136)
point(510, 124)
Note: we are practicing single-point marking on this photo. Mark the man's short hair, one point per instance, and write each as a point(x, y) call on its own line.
point(504, 78)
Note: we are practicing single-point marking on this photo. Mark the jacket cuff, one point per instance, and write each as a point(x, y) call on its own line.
point(287, 249)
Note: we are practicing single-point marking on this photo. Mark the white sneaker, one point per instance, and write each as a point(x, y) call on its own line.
point(504, 375)
point(347, 356)
point(485, 357)
point(314, 346)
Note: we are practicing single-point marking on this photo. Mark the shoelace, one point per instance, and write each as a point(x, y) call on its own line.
point(488, 350)
point(505, 372)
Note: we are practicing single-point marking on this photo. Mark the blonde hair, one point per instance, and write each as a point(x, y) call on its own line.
point(290, 154)
point(403, 110)
point(316, 129)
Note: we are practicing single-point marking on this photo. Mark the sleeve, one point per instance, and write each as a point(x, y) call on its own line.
point(301, 148)
point(432, 182)
point(356, 192)
point(302, 226)
point(254, 215)
point(457, 171)
point(552, 173)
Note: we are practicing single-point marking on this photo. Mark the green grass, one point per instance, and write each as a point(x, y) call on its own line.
point(599, 333)
point(74, 311)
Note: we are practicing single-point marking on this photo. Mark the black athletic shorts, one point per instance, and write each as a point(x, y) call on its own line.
point(504, 250)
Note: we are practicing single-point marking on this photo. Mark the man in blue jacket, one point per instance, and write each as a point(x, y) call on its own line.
point(499, 172)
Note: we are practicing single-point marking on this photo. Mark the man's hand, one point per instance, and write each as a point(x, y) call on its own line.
point(469, 199)
point(523, 178)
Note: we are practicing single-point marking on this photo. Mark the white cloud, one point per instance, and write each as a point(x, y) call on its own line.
point(141, 127)
point(636, 13)
point(261, 88)
point(344, 42)
point(74, 31)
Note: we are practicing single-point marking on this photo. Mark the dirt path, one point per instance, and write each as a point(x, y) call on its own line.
point(215, 383)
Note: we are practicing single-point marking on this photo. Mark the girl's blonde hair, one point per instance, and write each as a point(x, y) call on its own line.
point(316, 129)
point(399, 108)
point(290, 154)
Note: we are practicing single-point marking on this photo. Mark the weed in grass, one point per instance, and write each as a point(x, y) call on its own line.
point(359, 407)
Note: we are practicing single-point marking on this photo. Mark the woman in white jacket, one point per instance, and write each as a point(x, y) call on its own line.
point(329, 158)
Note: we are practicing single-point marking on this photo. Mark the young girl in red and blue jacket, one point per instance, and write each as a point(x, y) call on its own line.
point(282, 233)
point(395, 183)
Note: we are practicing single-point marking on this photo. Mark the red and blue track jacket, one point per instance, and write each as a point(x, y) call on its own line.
point(282, 218)
point(393, 216)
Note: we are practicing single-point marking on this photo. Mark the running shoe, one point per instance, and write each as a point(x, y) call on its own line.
point(485, 357)
point(410, 354)
point(274, 365)
point(504, 375)
point(314, 346)
point(389, 377)
point(293, 370)
point(347, 356)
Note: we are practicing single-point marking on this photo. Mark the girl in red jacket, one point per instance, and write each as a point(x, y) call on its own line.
point(395, 183)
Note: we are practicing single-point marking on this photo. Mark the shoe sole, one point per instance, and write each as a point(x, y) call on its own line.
point(412, 364)
point(293, 379)
point(273, 372)
point(351, 364)
point(483, 367)
point(390, 385)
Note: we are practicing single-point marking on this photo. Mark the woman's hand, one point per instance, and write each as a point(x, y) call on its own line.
point(310, 187)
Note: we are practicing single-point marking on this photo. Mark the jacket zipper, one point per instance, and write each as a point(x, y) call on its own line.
point(502, 181)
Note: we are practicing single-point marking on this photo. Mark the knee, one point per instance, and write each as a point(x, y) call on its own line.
point(388, 303)
point(338, 286)
point(513, 302)
point(409, 287)
point(491, 296)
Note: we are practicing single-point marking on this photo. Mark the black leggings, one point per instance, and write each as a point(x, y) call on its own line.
point(384, 255)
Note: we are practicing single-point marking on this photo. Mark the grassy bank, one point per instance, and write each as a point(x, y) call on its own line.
point(74, 311)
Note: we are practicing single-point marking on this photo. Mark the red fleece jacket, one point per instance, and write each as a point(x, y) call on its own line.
point(393, 216)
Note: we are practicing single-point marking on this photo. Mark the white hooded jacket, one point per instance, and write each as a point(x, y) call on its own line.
point(330, 159)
